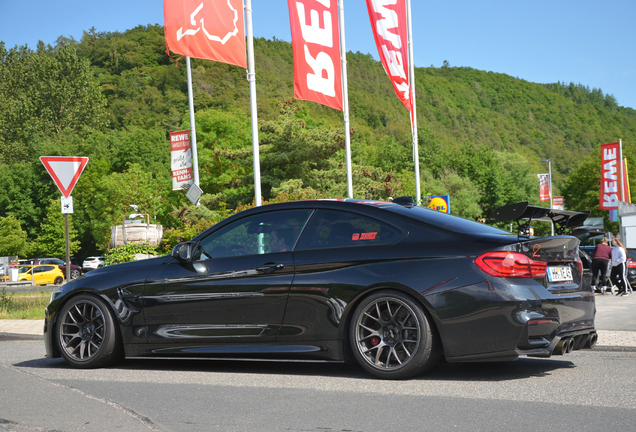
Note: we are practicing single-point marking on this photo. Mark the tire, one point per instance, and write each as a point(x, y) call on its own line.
point(391, 336)
point(75, 273)
point(86, 333)
point(58, 280)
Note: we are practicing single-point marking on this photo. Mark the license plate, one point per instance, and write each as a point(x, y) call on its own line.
point(559, 274)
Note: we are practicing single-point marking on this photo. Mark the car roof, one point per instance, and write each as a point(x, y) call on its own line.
point(371, 208)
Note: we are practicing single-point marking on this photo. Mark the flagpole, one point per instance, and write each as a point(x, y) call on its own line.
point(416, 153)
point(251, 77)
point(345, 97)
point(193, 132)
point(549, 161)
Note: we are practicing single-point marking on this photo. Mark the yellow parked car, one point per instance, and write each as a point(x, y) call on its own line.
point(41, 274)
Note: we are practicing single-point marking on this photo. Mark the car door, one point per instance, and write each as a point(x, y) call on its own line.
point(41, 274)
point(235, 291)
point(339, 254)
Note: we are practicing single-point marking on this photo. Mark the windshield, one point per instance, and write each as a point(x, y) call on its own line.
point(24, 270)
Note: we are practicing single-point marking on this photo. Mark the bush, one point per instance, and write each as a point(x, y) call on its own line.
point(127, 253)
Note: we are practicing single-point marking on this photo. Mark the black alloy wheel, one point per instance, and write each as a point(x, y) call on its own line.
point(75, 273)
point(86, 333)
point(391, 336)
point(58, 280)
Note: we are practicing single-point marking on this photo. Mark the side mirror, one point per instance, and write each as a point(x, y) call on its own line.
point(185, 251)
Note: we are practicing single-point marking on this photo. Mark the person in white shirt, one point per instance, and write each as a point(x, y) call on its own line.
point(619, 266)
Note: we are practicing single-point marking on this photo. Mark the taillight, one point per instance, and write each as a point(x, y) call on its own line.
point(630, 263)
point(510, 265)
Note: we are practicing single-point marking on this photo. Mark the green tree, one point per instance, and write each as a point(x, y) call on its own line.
point(117, 191)
point(45, 94)
point(14, 239)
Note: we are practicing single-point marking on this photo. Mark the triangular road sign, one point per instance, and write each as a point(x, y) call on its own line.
point(65, 171)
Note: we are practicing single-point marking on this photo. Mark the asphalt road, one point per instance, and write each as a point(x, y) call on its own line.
point(583, 391)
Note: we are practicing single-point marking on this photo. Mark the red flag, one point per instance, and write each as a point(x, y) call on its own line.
point(316, 45)
point(389, 25)
point(207, 29)
point(544, 187)
point(611, 175)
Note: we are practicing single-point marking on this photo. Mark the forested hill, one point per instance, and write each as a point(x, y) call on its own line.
point(114, 97)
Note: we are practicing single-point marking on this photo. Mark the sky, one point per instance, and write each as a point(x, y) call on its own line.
point(587, 42)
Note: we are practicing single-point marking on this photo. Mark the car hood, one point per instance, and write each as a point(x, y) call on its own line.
point(131, 271)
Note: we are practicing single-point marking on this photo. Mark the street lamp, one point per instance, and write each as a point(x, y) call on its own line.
point(549, 161)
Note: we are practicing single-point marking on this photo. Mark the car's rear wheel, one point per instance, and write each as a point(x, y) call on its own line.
point(75, 273)
point(87, 334)
point(391, 336)
point(59, 280)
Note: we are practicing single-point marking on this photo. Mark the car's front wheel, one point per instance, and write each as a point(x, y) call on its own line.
point(75, 273)
point(87, 334)
point(391, 336)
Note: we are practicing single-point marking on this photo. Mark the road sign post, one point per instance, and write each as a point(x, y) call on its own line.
point(65, 171)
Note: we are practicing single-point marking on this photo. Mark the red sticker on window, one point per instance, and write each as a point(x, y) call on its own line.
point(364, 236)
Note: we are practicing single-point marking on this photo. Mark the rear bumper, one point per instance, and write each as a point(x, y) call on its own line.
point(562, 344)
point(503, 319)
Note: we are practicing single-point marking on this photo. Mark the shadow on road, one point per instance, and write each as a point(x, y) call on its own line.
point(496, 371)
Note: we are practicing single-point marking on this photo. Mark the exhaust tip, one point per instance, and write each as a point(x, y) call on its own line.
point(593, 340)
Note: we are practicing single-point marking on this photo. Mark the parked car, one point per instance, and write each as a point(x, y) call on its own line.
point(93, 262)
point(40, 274)
point(76, 271)
point(391, 286)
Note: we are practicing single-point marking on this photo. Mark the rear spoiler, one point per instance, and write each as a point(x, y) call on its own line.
point(561, 219)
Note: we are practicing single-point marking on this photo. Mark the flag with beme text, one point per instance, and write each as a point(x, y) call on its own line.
point(611, 176)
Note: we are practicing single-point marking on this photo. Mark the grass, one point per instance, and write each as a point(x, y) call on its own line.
point(28, 305)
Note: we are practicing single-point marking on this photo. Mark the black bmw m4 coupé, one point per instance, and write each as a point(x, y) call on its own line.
point(391, 286)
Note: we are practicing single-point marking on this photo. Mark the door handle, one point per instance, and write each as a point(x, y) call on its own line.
point(270, 267)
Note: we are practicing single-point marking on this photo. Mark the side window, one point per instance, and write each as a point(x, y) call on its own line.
point(333, 228)
point(269, 232)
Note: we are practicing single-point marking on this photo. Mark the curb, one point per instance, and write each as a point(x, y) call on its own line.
point(19, 337)
point(608, 348)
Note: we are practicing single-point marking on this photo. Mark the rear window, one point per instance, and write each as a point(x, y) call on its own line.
point(447, 221)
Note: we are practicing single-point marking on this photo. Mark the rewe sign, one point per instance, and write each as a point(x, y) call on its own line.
point(181, 160)
point(611, 176)
point(316, 46)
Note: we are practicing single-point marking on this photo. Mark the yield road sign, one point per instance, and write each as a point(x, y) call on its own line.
point(64, 170)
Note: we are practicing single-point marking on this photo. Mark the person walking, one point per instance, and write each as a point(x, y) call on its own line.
point(619, 265)
point(600, 263)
